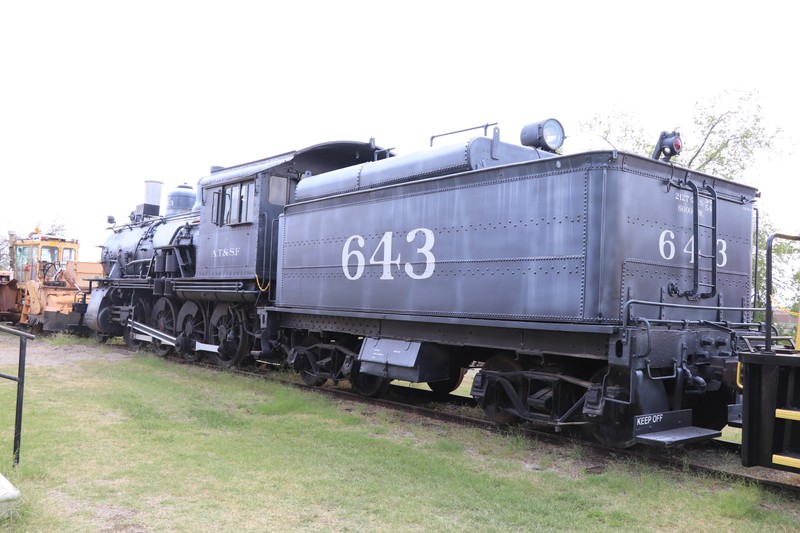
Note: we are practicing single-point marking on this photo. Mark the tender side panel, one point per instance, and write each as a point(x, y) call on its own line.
point(566, 239)
point(502, 243)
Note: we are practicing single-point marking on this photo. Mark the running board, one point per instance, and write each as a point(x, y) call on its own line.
point(145, 333)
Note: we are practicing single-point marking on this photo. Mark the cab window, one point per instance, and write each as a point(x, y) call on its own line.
point(277, 190)
point(233, 204)
point(23, 259)
point(49, 254)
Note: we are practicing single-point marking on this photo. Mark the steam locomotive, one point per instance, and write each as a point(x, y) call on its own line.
point(601, 289)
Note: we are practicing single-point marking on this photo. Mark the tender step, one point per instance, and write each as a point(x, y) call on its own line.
point(678, 436)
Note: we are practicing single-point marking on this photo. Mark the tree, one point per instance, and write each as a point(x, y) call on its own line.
point(57, 229)
point(732, 133)
point(620, 131)
point(726, 135)
point(5, 259)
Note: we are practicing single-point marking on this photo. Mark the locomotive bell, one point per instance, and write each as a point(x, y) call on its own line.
point(545, 135)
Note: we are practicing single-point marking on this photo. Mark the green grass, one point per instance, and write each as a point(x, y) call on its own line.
point(65, 339)
point(732, 434)
point(140, 444)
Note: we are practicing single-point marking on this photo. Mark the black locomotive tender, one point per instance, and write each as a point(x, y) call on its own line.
point(600, 289)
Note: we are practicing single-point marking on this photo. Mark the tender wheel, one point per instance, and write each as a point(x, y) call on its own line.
point(227, 331)
point(616, 435)
point(496, 399)
point(447, 386)
point(303, 365)
point(193, 325)
point(367, 384)
point(163, 318)
point(615, 430)
point(307, 374)
point(101, 338)
point(140, 314)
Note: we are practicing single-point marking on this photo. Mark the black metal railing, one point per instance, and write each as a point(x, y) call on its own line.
point(770, 239)
point(20, 379)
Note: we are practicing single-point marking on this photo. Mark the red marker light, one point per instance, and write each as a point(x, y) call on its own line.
point(668, 146)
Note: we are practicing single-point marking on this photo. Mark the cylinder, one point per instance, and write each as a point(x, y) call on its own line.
point(158, 264)
point(172, 264)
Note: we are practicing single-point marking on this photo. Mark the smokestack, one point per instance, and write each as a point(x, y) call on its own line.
point(152, 197)
point(152, 202)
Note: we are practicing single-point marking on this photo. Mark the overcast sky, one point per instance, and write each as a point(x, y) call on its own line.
point(99, 96)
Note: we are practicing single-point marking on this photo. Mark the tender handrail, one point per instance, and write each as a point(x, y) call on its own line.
point(771, 238)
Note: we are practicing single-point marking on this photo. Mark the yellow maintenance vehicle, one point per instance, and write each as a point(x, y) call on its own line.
point(45, 281)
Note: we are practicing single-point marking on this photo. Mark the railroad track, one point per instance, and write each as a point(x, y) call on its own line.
point(718, 458)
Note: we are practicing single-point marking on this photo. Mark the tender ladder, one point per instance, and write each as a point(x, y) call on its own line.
point(702, 289)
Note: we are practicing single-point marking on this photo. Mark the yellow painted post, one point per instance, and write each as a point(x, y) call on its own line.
point(797, 333)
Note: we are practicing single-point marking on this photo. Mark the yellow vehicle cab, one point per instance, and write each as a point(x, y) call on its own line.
point(46, 279)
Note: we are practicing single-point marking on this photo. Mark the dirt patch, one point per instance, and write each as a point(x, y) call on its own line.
point(43, 352)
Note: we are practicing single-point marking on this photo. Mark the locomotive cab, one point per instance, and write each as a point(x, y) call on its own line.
point(234, 225)
point(238, 237)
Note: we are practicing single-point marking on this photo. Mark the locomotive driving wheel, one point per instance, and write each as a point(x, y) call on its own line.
point(192, 324)
point(139, 314)
point(227, 331)
point(163, 318)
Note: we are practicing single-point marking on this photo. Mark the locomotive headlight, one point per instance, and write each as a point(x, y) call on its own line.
point(545, 135)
